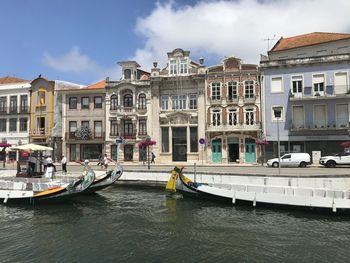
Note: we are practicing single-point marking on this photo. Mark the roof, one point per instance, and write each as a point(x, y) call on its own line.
point(98, 85)
point(9, 79)
point(307, 40)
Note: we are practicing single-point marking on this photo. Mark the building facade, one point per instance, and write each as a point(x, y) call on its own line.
point(83, 125)
point(178, 109)
point(14, 112)
point(307, 77)
point(233, 112)
point(128, 113)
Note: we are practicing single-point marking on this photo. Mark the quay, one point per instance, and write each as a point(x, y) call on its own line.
point(158, 175)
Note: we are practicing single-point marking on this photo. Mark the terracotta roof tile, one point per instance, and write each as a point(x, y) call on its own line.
point(98, 85)
point(9, 80)
point(307, 40)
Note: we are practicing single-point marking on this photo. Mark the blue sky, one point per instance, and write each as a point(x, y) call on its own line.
point(81, 41)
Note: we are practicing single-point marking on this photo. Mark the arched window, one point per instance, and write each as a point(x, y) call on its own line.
point(232, 117)
point(128, 100)
point(249, 116)
point(127, 74)
point(114, 102)
point(142, 101)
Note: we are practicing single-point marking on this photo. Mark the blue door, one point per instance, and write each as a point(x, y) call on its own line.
point(216, 151)
point(250, 156)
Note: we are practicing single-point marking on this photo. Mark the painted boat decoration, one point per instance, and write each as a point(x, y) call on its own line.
point(34, 190)
point(105, 180)
point(264, 195)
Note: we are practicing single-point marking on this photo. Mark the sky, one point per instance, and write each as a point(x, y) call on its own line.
point(81, 41)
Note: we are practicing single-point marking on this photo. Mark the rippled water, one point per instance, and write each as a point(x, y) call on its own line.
point(147, 225)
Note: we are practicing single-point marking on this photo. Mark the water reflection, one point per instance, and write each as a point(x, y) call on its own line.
point(123, 224)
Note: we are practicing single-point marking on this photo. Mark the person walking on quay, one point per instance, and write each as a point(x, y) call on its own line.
point(153, 157)
point(64, 164)
point(105, 162)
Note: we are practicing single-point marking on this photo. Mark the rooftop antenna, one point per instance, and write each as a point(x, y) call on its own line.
point(268, 39)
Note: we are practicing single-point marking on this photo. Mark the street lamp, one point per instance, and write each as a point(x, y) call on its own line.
point(278, 112)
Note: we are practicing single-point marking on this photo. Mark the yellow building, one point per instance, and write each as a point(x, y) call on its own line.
point(41, 111)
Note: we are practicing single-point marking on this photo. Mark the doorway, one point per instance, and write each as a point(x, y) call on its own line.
point(250, 156)
point(179, 142)
point(216, 151)
point(128, 152)
point(233, 149)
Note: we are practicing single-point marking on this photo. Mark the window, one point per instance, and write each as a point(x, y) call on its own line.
point(216, 117)
point(2, 125)
point(72, 126)
point(183, 66)
point(173, 67)
point(249, 116)
point(232, 90)
point(297, 85)
point(13, 104)
point(114, 152)
point(232, 117)
point(165, 102)
point(127, 74)
point(3, 104)
point(193, 101)
point(193, 139)
point(13, 125)
point(318, 81)
point(165, 139)
point(98, 129)
point(72, 152)
point(215, 91)
point(24, 103)
point(85, 101)
point(85, 124)
point(320, 116)
point(41, 99)
point(41, 123)
point(128, 127)
point(342, 115)
point(23, 124)
point(341, 83)
point(273, 118)
point(73, 101)
point(114, 128)
point(114, 102)
point(249, 89)
point(142, 101)
point(98, 102)
point(142, 127)
point(179, 102)
point(276, 85)
point(298, 117)
point(128, 100)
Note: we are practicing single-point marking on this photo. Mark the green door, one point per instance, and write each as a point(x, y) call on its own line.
point(250, 156)
point(216, 151)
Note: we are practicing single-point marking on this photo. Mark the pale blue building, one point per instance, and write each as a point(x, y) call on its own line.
point(307, 76)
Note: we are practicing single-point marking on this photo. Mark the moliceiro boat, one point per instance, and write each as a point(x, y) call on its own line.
point(289, 194)
point(105, 180)
point(34, 190)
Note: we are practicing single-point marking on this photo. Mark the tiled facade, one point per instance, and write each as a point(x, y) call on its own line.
point(233, 122)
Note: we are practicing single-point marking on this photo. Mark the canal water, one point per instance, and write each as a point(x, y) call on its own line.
point(129, 224)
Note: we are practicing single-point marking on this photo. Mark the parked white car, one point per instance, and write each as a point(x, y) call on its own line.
point(291, 160)
point(337, 159)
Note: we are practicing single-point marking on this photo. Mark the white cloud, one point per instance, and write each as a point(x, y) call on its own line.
point(76, 62)
point(224, 28)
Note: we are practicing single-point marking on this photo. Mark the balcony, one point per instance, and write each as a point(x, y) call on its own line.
point(142, 110)
point(13, 110)
point(122, 109)
point(40, 132)
point(330, 92)
point(237, 127)
point(85, 136)
point(128, 136)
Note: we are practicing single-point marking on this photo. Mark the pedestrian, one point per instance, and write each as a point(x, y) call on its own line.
point(64, 164)
point(50, 169)
point(105, 162)
point(44, 161)
point(153, 157)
